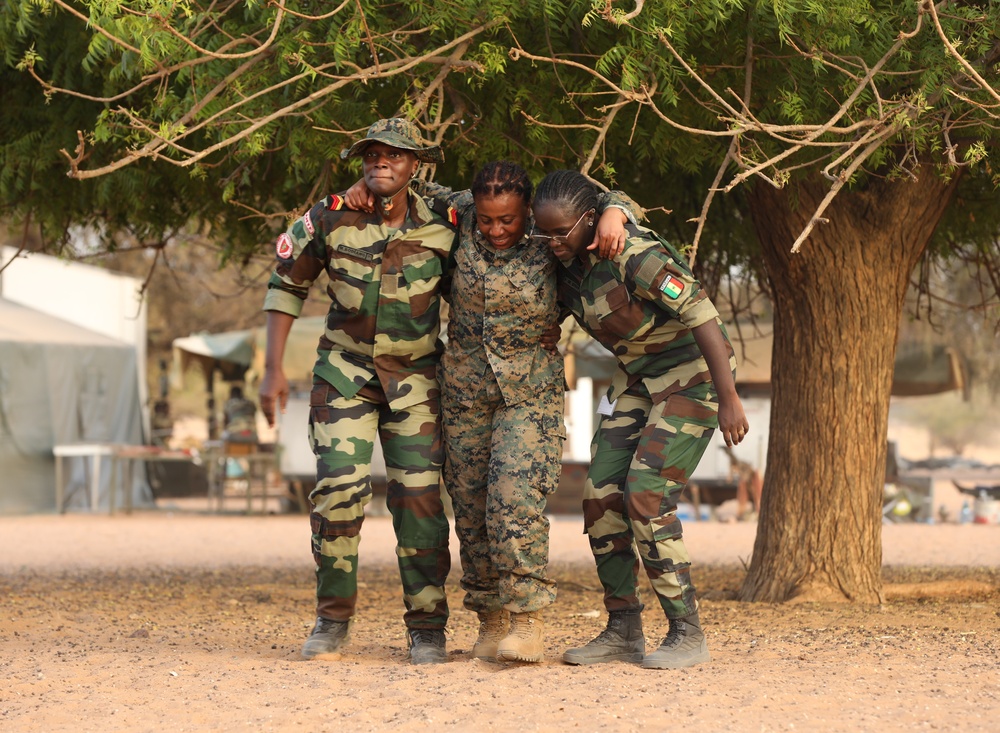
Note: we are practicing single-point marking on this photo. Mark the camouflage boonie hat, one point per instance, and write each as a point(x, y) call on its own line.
point(398, 133)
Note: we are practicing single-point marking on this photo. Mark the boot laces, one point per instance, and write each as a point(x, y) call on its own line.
point(675, 635)
point(522, 625)
point(492, 624)
point(328, 626)
point(426, 636)
point(611, 632)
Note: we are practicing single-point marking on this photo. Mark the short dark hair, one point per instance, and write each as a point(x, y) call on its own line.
point(502, 176)
point(569, 190)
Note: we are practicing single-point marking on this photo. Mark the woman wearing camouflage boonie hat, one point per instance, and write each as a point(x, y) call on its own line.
point(375, 375)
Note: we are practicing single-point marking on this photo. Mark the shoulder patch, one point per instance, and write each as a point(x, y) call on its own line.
point(672, 287)
point(336, 203)
point(284, 247)
point(448, 213)
point(307, 222)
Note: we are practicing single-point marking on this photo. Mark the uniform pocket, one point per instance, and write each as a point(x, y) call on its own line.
point(617, 313)
point(350, 279)
point(422, 275)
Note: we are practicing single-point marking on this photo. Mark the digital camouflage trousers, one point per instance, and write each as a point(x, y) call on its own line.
point(641, 458)
point(343, 432)
point(501, 463)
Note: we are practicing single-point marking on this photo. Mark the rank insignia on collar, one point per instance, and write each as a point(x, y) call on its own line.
point(452, 216)
point(336, 202)
point(672, 287)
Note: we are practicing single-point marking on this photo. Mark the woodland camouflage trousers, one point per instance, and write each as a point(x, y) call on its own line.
point(641, 458)
point(343, 431)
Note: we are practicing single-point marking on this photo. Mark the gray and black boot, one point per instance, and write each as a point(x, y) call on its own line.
point(326, 638)
point(426, 646)
point(621, 641)
point(685, 646)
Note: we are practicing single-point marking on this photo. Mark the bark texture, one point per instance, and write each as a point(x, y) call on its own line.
point(837, 309)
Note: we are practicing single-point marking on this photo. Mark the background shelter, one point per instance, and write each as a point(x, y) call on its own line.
point(61, 383)
point(239, 355)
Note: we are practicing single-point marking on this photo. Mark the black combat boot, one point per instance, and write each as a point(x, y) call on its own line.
point(685, 646)
point(326, 638)
point(426, 646)
point(621, 641)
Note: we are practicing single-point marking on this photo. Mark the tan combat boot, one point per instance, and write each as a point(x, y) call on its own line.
point(492, 628)
point(524, 642)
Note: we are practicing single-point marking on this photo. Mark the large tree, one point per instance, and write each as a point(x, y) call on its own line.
point(838, 133)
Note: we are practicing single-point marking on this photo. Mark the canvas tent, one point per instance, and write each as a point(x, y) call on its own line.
point(239, 355)
point(61, 383)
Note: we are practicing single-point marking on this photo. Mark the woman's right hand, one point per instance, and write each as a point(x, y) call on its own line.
point(359, 198)
point(273, 393)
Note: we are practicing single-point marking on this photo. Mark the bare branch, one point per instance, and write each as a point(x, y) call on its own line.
point(838, 184)
point(601, 134)
point(215, 55)
point(928, 7)
point(158, 143)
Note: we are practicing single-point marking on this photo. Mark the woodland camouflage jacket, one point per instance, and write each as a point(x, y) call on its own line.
point(384, 288)
point(642, 306)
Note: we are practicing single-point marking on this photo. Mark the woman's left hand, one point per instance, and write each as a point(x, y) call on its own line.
point(609, 239)
point(550, 339)
point(733, 422)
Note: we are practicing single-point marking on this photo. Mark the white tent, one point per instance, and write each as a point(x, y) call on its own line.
point(61, 383)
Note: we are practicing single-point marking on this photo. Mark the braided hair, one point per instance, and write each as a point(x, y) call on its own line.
point(502, 176)
point(571, 191)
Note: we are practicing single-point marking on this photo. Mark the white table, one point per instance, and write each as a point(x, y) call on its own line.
point(92, 451)
point(123, 458)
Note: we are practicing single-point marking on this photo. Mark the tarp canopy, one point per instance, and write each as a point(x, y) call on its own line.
point(61, 384)
point(239, 355)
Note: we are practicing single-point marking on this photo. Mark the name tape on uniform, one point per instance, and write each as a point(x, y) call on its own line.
point(359, 253)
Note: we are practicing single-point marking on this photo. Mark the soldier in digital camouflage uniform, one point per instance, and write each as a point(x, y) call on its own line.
point(375, 374)
point(502, 408)
point(502, 405)
point(674, 385)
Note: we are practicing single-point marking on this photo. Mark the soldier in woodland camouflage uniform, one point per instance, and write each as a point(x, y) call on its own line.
point(376, 373)
point(502, 406)
point(673, 386)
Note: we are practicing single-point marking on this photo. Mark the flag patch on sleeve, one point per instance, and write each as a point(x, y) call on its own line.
point(672, 287)
point(284, 246)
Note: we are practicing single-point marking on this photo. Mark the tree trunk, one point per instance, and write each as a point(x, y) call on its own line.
point(837, 308)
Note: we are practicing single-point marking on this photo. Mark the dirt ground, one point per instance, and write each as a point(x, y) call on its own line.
point(188, 622)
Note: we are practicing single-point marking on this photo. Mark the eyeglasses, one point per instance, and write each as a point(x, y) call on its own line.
point(556, 238)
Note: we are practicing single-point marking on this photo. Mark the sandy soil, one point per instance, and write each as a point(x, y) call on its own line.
point(181, 622)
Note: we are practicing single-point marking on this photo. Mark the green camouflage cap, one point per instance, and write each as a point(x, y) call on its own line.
point(398, 133)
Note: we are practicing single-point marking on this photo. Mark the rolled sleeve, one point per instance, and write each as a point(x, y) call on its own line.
point(283, 301)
